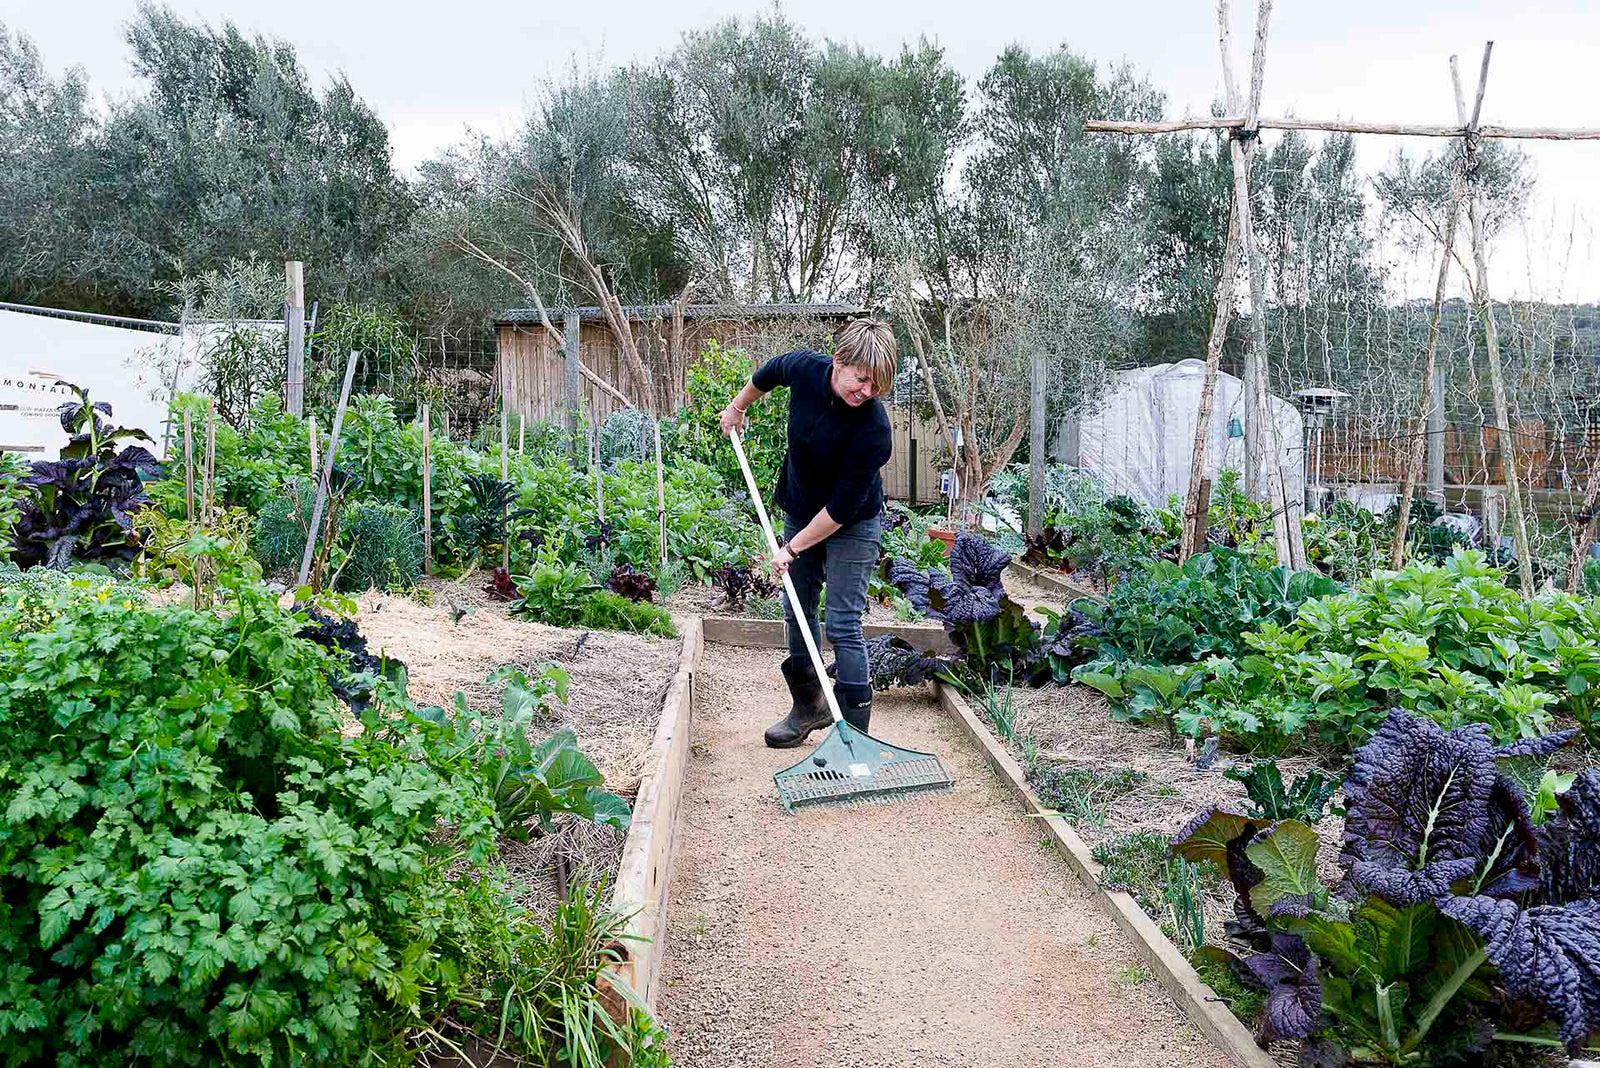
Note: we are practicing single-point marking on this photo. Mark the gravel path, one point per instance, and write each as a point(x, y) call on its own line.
point(959, 941)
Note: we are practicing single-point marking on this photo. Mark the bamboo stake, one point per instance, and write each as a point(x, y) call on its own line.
point(444, 427)
point(208, 494)
point(1425, 399)
point(327, 467)
point(505, 476)
point(661, 492)
point(522, 435)
point(599, 482)
point(1238, 122)
point(427, 491)
point(311, 424)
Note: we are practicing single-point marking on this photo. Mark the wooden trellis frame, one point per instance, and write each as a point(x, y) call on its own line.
point(1244, 125)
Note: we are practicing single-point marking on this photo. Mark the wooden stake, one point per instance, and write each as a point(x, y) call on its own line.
point(1198, 526)
point(327, 467)
point(188, 469)
point(1585, 532)
point(444, 427)
point(599, 482)
point(295, 386)
point(427, 491)
point(1426, 399)
point(505, 476)
point(311, 424)
point(1036, 434)
point(208, 489)
point(522, 435)
point(661, 491)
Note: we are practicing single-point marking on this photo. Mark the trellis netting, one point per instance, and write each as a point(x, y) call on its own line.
point(1139, 440)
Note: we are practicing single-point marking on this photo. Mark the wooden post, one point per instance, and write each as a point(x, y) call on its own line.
point(1267, 451)
point(574, 394)
point(327, 467)
point(1197, 526)
point(427, 491)
point(188, 469)
point(1436, 432)
point(1036, 434)
point(311, 425)
point(661, 491)
point(1430, 400)
point(295, 386)
point(1502, 410)
point(599, 482)
point(1587, 529)
point(208, 494)
point(444, 425)
point(505, 476)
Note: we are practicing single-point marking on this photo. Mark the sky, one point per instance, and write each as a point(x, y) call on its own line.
point(434, 70)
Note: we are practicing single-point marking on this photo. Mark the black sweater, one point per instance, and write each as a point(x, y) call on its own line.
point(836, 453)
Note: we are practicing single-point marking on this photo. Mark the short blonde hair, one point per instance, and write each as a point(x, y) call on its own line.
point(869, 345)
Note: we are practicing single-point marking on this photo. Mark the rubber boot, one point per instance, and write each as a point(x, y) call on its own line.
point(809, 711)
point(855, 704)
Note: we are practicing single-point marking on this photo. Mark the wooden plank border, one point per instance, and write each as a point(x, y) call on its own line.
point(751, 633)
point(1054, 583)
point(644, 879)
point(1198, 1000)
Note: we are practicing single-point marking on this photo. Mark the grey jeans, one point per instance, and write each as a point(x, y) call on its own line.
point(845, 561)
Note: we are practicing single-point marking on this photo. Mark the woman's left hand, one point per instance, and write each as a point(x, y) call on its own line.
point(781, 560)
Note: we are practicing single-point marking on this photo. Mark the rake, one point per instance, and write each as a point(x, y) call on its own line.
point(849, 764)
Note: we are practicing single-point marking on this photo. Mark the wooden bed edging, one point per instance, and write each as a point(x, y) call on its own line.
point(1198, 1000)
point(645, 876)
point(751, 633)
point(1056, 583)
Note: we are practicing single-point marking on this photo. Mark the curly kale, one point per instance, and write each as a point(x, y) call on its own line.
point(892, 661)
point(354, 664)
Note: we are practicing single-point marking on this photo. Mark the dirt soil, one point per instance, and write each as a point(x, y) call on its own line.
point(1073, 727)
point(932, 930)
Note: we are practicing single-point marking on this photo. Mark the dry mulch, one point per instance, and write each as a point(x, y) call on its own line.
point(933, 930)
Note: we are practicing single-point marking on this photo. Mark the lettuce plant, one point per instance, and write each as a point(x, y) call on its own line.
point(1458, 918)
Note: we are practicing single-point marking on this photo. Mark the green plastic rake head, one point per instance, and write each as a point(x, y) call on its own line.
point(851, 765)
point(848, 764)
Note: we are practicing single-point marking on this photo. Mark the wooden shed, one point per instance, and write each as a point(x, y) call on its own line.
point(533, 368)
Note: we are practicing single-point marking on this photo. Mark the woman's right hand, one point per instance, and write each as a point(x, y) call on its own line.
point(732, 419)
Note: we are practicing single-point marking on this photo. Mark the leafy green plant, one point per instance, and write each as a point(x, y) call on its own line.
point(83, 506)
point(260, 900)
point(553, 592)
point(527, 782)
point(32, 600)
point(1458, 918)
point(482, 524)
point(1306, 799)
point(1146, 692)
point(713, 380)
point(382, 548)
point(605, 610)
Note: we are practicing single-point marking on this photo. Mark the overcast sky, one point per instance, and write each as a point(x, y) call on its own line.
point(433, 69)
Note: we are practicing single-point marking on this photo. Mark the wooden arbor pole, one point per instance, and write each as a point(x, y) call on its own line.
point(1429, 399)
point(1266, 447)
point(1036, 436)
point(1502, 413)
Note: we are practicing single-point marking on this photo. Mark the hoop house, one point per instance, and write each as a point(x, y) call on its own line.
point(1140, 441)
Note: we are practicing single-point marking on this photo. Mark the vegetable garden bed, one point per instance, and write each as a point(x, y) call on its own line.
point(618, 683)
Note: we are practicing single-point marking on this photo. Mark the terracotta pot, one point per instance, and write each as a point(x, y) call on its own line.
point(946, 536)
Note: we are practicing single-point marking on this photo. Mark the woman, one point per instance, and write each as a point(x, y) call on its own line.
point(831, 491)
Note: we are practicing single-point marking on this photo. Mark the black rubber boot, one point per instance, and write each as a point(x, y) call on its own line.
point(855, 704)
point(809, 711)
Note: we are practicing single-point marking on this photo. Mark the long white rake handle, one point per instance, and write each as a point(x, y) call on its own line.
point(788, 584)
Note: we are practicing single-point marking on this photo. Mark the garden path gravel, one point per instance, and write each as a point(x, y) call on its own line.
point(933, 930)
